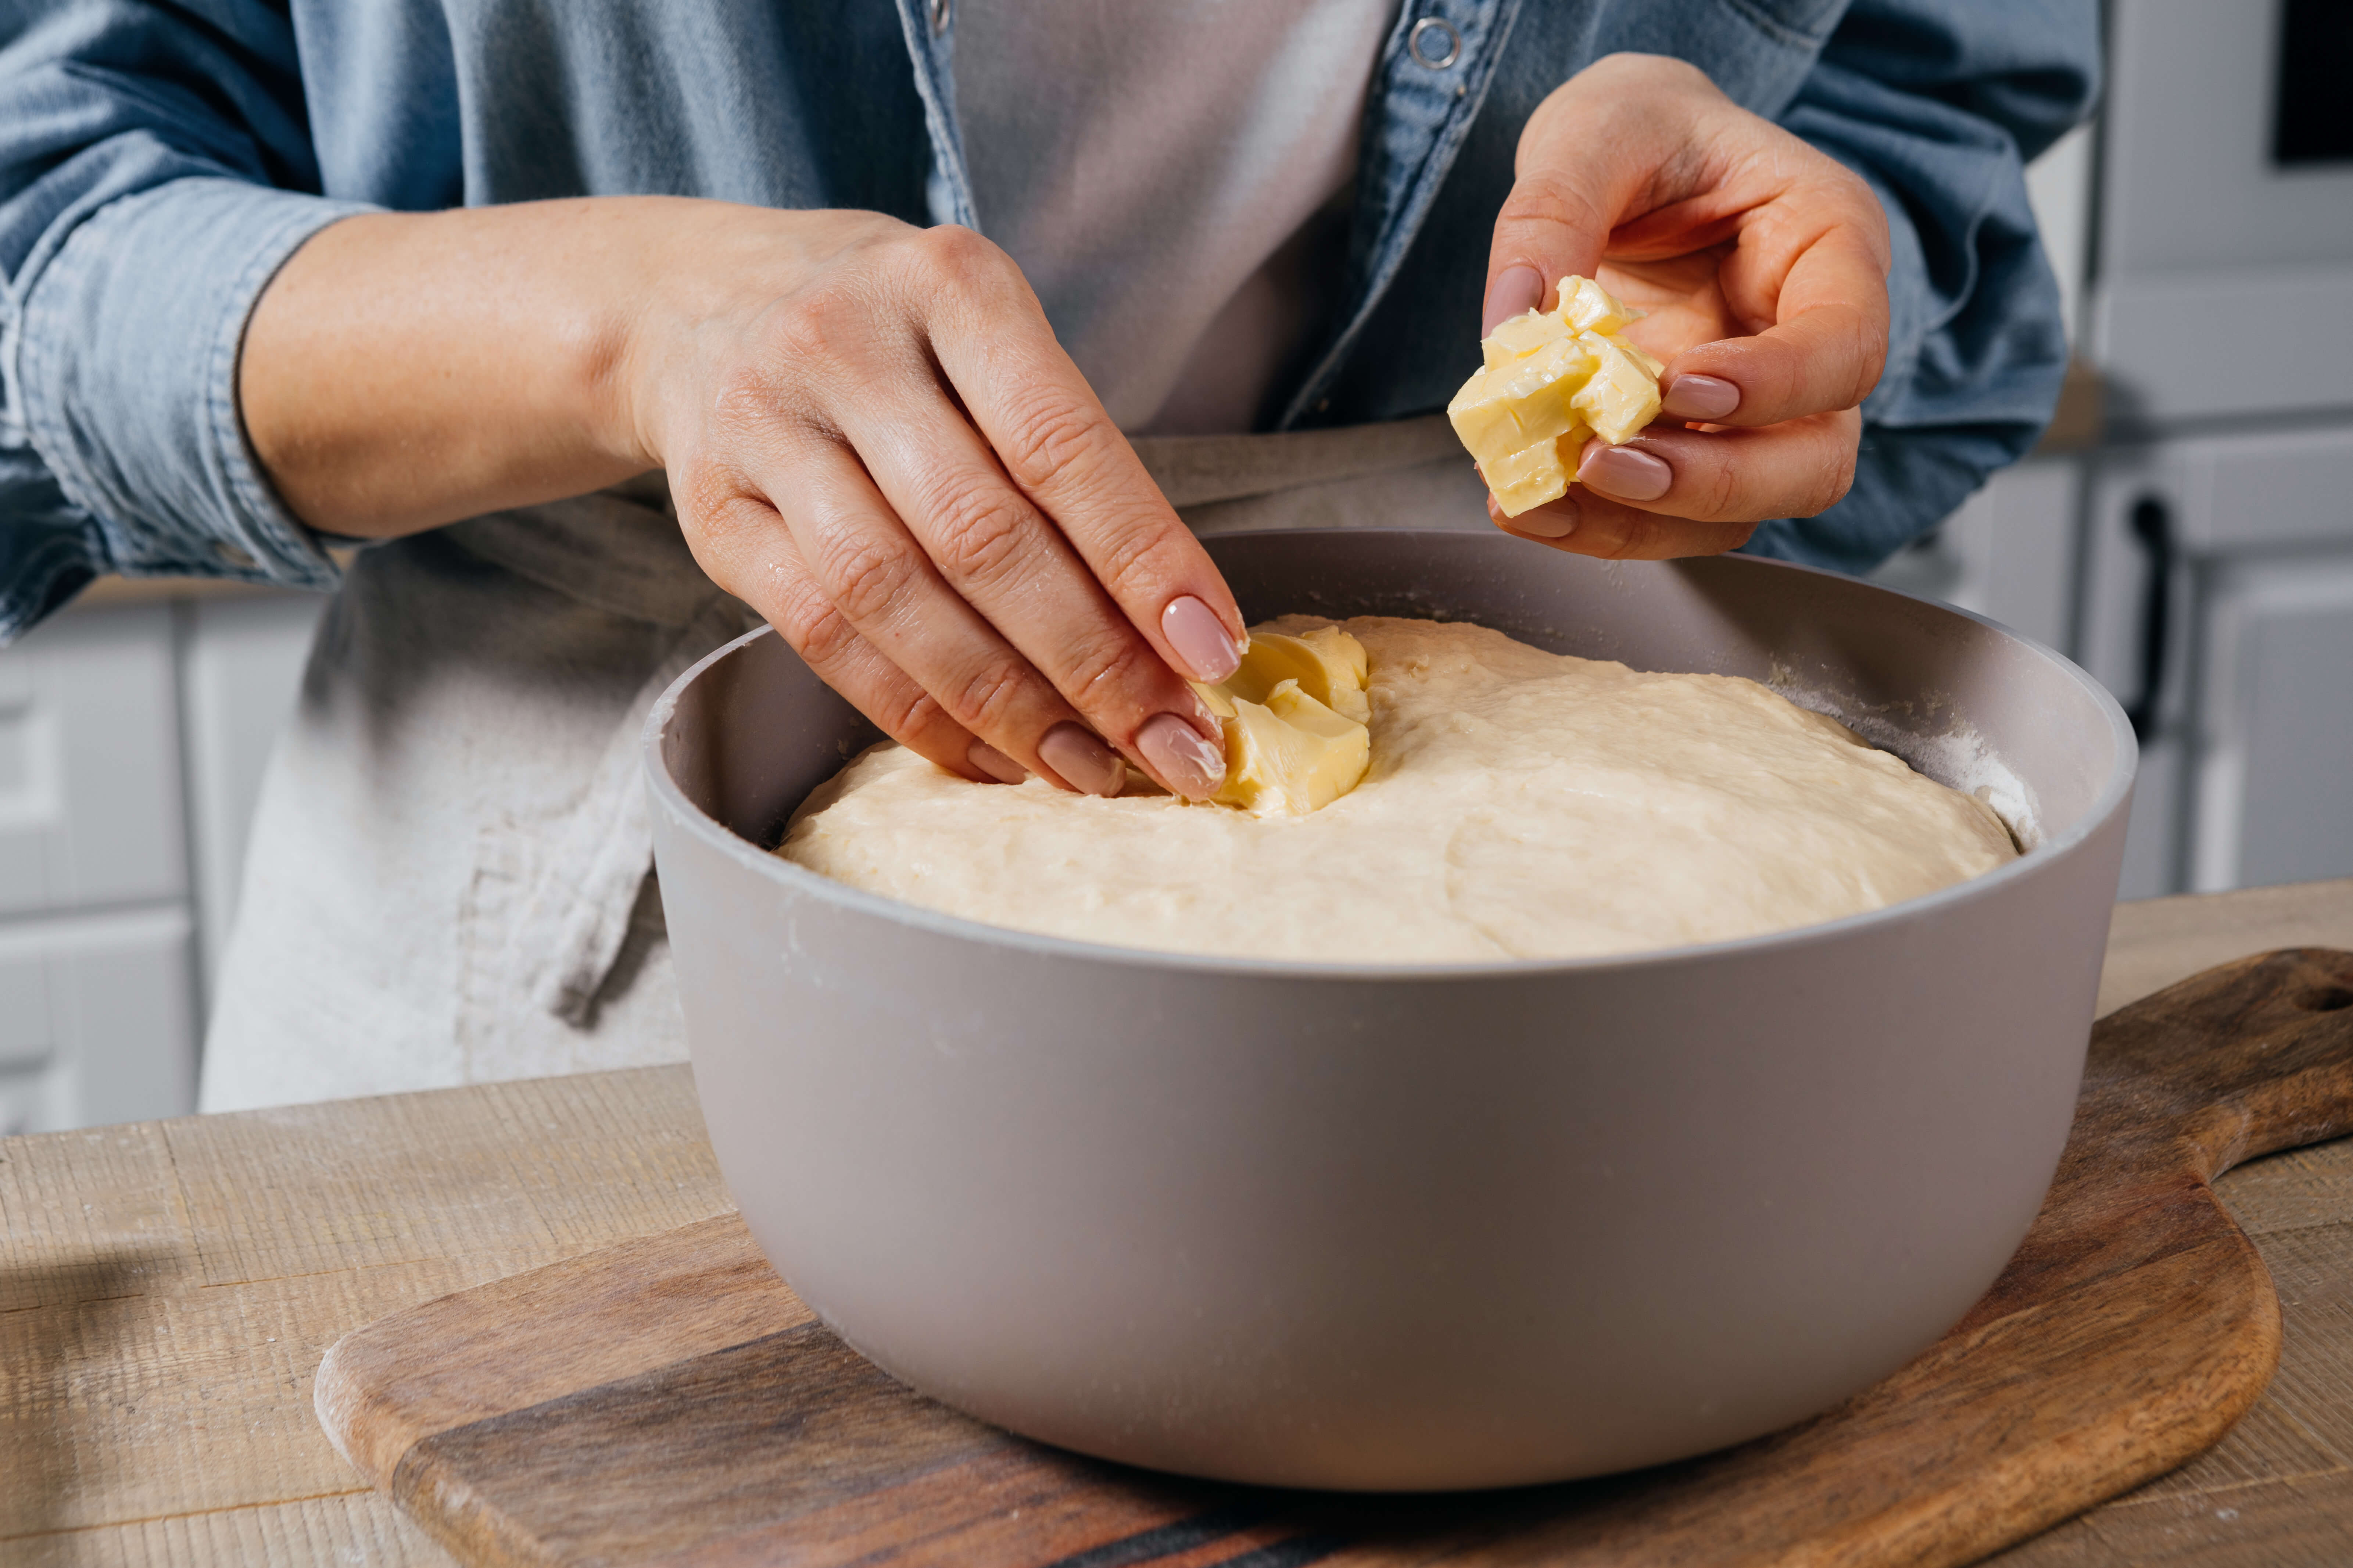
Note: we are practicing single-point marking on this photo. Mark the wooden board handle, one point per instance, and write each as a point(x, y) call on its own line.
point(2239, 1061)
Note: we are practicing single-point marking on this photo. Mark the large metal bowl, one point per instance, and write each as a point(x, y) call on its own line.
point(1411, 1228)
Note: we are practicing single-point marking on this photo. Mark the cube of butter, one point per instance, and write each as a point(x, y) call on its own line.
point(1621, 394)
point(1522, 335)
point(1328, 666)
point(1291, 754)
point(1587, 307)
point(1525, 399)
point(1533, 475)
point(1550, 379)
point(1295, 718)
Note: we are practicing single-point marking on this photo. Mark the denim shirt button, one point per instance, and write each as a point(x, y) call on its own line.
point(1434, 43)
point(940, 11)
point(235, 555)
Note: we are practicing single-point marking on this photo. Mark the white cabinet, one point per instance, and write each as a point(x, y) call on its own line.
point(2218, 607)
point(132, 738)
point(2274, 745)
point(2008, 553)
point(97, 1019)
point(90, 763)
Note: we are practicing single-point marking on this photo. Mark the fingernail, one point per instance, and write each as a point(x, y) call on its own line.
point(1185, 760)
point(1553, 519)
point(1514, 293)
point(1085, 762)
point(1201, 639)
point(1699, 397)
point(996, 763)
point(1625, 473)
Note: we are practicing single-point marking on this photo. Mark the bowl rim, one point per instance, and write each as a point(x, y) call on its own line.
point(765, 863)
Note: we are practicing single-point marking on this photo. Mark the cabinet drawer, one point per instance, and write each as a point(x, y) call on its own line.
point(26, 1103)
point(97, 1020)
point(2274, 798)
point(90, 763)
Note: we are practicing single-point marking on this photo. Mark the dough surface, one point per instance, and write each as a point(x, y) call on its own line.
point(1519, 804)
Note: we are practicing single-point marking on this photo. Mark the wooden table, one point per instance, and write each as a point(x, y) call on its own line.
point(167, 1287)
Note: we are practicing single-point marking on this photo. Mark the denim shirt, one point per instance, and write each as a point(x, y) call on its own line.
point(160, 159)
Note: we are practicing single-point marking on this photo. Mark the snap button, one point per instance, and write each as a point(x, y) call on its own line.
point(230, 554)
point(940, 9)
point(1434, 43)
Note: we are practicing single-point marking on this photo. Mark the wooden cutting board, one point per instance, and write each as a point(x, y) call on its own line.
point(669, 1400)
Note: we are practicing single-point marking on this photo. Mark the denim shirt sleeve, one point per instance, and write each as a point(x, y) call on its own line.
point(1937, 104)
point(153, 171)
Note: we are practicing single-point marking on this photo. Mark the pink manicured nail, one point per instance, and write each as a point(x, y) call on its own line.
point(996, 763)
point(1188, 761)
point(1201, 639)
point(1515, 293)
point(1625, 473)
point(1085, 762)
point(1555, 519)
point(1700, 397)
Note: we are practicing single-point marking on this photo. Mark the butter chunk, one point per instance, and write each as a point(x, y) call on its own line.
point(1295, 718)
point(1323, 669)
point(1531, 476)
point(1551, 378)
point(1621, 395)
point(1291, 754)
point(1522, 335)
point(1587, 307)
point(1525, 400)
point(1351, 671)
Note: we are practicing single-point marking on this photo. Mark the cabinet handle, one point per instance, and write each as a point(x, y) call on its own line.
point(2152, 529)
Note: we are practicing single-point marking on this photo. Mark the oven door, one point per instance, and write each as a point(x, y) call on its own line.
point(2226, 210)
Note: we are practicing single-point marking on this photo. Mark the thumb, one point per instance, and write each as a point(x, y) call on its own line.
point(1589, 157)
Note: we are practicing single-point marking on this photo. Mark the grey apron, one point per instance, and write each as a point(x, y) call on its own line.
point(450, 873)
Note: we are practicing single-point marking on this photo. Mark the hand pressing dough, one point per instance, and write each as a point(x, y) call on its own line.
point(1518, 804)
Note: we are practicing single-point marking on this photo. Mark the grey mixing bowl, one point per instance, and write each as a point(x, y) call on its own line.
point(1394, 1228)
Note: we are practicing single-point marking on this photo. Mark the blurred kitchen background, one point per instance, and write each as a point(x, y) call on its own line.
point(2185, 531)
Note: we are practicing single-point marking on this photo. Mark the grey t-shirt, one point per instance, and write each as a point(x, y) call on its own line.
point(1166, 174)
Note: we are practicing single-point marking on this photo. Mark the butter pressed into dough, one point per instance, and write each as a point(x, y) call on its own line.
point(1518, 804)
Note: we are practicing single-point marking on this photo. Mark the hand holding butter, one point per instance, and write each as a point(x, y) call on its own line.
point(1728, 284)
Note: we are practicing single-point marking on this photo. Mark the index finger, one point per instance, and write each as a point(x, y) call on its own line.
point(1062, 449)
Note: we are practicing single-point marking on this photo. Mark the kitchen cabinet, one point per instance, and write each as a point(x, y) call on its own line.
point(2274, 788)
point(90, 763)
point(2008, 553)
point(2218, 606)
point(133, 730)
point(97, 1019)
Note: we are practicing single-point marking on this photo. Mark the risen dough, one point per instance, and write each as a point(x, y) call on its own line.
point(1519, 804)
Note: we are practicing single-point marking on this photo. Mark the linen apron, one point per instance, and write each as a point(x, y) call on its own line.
point(450, 872)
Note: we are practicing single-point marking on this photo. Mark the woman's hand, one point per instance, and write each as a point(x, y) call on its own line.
point(1763, 264)
point(873, 439)
point(870, 434)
